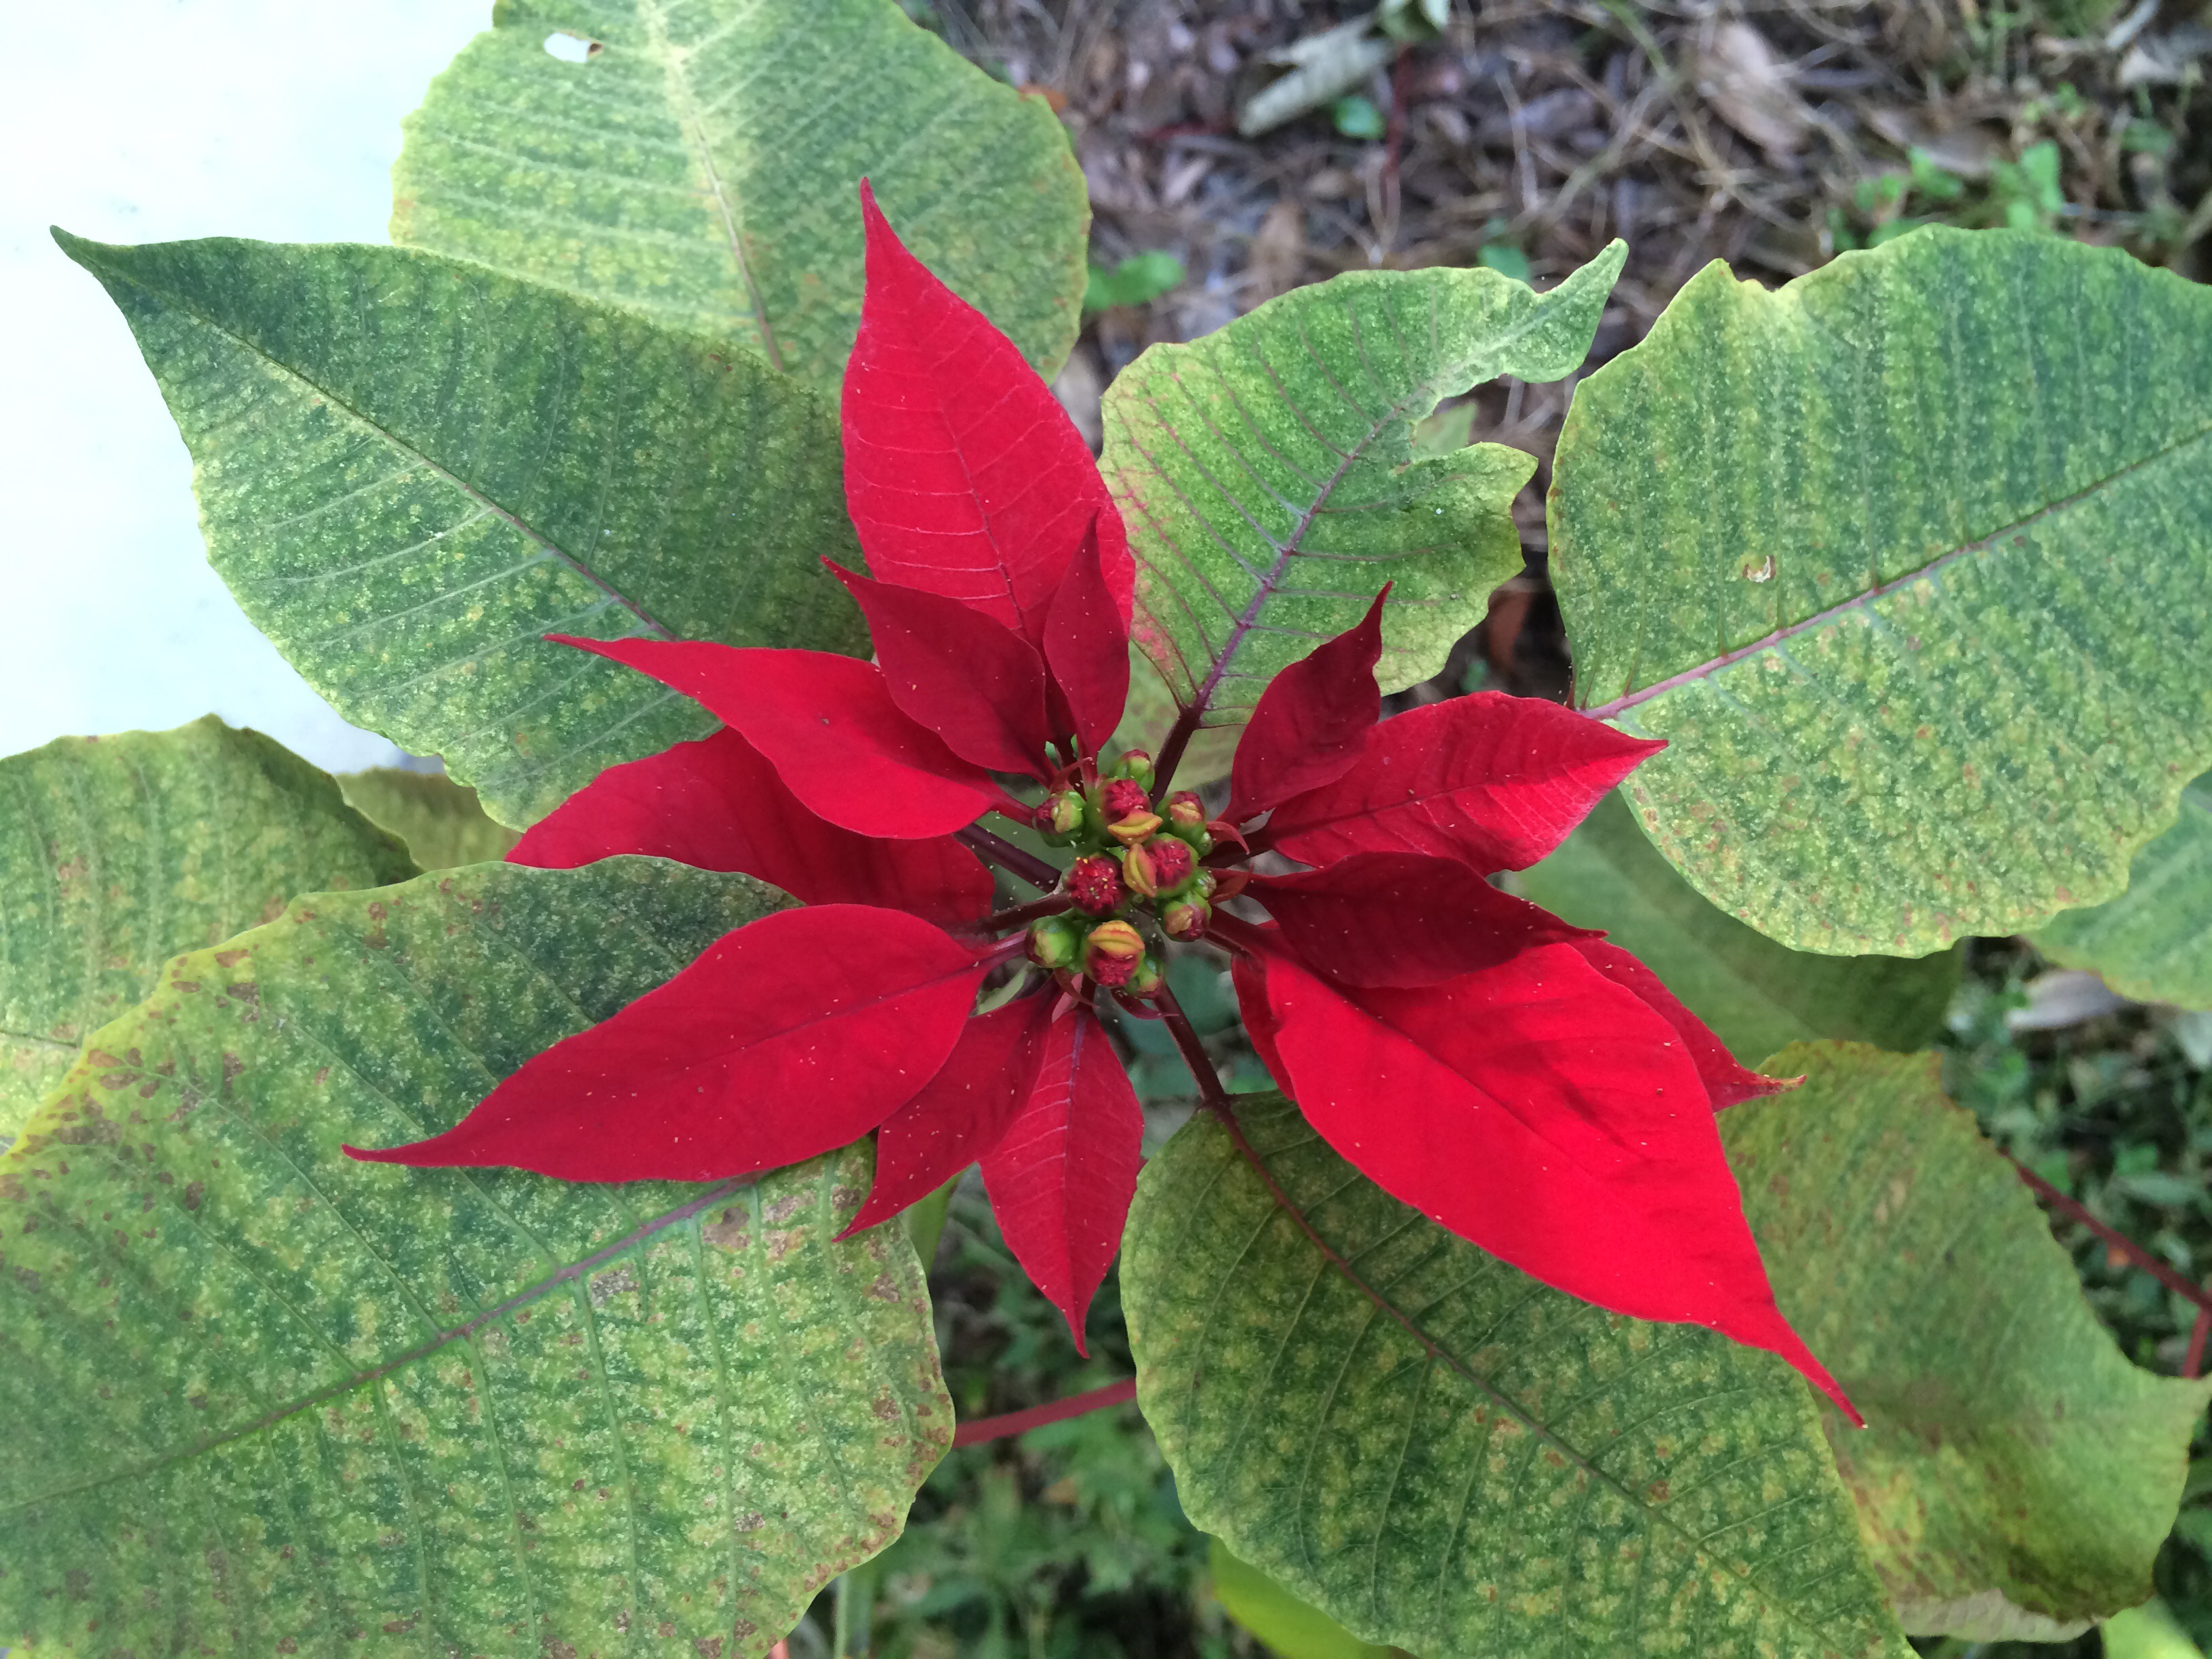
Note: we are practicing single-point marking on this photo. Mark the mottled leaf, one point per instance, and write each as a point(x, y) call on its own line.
point(442, 823)
point(2154, 941)
point(1267, 476)
point(1756, 994)
point(1906, 559)
point(117, 852)
point(699, 165)
point(409, 470)
point(1438, 1452)
point(263, 1400)
point(2014, 1463)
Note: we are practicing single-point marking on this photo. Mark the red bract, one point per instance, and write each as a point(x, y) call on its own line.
point(1528, 1085)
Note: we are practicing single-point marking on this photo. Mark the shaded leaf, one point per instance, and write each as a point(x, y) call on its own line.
point(117, 853)
point(1907, 560)
point(699, 165)
point(1438, 1452)
point(2014, 1461)
point(1757, 995)
point(261, 1398)
point(1267, 478)
point(410, 470)
point(2153, 942)
point(442, 823)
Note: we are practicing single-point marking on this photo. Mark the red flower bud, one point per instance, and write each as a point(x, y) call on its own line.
point(1059, 816)
point(1158, 866)
point(1184, 812)
point(1113, 952)
point(1122, 797)
point(1096, 883)
point(1186, 918)
point(1055, 942)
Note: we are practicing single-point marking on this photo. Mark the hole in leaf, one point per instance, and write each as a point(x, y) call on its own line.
point(572, 48)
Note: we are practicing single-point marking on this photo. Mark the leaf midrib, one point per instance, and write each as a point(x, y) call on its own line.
point(512, 519)
point(1438, 1353)
point(1290, 548)
point(1866, 597)
point(566, 1274)
point(685, 107)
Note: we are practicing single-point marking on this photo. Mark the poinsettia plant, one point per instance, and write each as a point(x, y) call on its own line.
point(491, 1254)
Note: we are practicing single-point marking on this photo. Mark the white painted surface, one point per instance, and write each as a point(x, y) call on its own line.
point(140, 121)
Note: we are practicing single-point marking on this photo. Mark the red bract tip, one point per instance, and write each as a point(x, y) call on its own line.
point(1311, 723)
point(962, 474)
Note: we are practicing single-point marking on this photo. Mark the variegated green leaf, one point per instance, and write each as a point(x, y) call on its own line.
point(262, 1399)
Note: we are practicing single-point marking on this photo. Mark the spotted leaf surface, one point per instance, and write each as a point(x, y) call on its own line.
point(1267, 478)
point(697, 164)
point(2017, 1475)
point(1756, 994)
point(2154, 940)
point(117, 853)
point(1439, 1453)
point(264, 1399)
point(410, 470)
point(1906, 560)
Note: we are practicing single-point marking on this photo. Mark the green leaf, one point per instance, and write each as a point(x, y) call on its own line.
point(1291, 1628)
point(702, 165)
point(117, 853)
point(2154, 942)
point(263, 1399)
point(438, 819)
point(1138, 280)
point(1907, 560)
point(2017, 1475)
point(1757, 995)
point(1268, 475)
point(1439, 1452)
point(2149, 1631)
point(408, 470)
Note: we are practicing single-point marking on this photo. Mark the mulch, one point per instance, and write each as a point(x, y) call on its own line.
point(1766, 136)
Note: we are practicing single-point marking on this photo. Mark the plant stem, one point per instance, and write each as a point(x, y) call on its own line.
point(1008, 857)
point(1210, 1092)
point(2073, 1210)
point(1170, 754)
point(1021, 915)
point(977, 1431)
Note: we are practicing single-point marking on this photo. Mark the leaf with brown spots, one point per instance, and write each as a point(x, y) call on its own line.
point(475, 1411)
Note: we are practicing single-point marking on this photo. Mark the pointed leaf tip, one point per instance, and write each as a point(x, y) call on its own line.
point(964, 476)
point(1086, 645)
point(847, 1008)
point(1312, 722)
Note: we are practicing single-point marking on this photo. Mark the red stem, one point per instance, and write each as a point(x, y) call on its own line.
point(2192, 1363)
point(978, 1429)
point(1008, 857)
point(2074, 1210)
point(1193, 1051)
point(1170, 754)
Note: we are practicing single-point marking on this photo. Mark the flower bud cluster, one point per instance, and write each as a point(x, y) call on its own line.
point(1133, 856)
